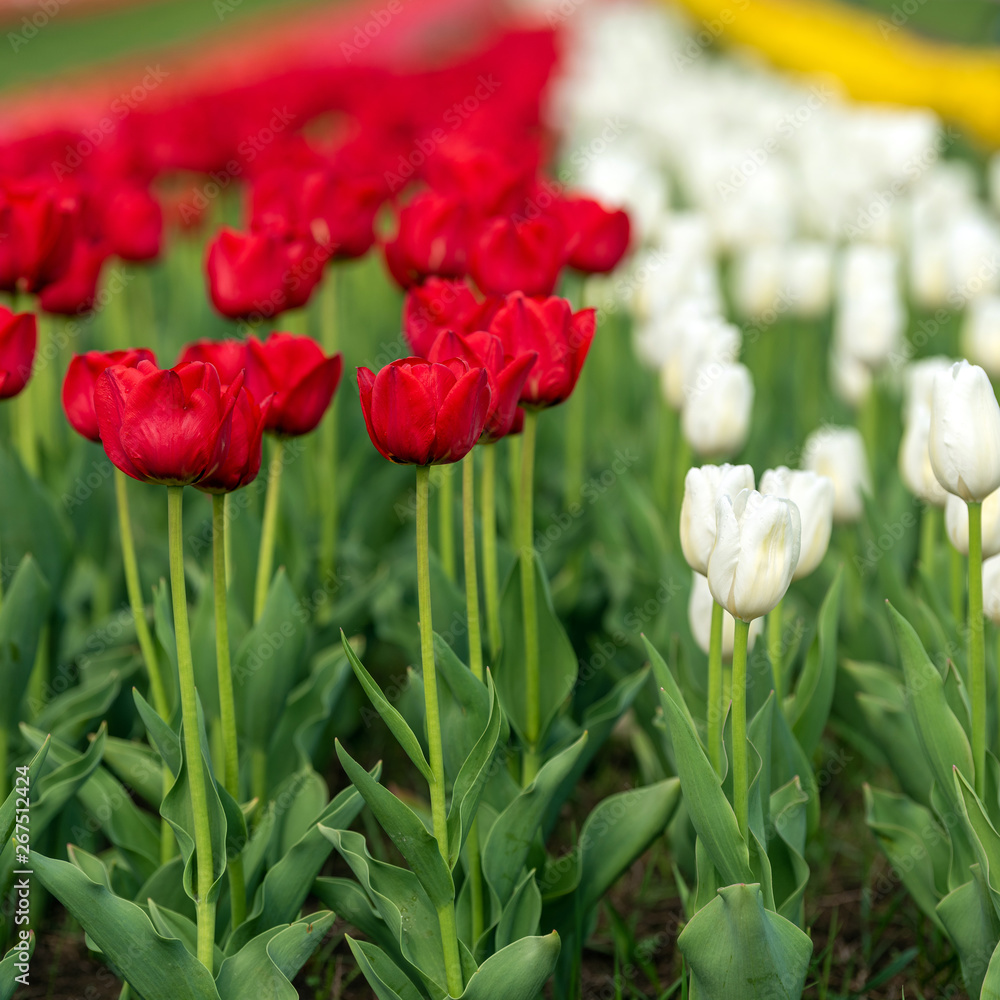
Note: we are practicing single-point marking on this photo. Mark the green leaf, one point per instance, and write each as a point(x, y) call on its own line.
point(91, 865)
point(555, 653)
point(810, 706)
point(738, 950)
point(517, 972)
point(710, 811)
point(970, 919)
point(349, 901)
point(287, 882)
point(786, 850)
point(406, 830)
point(138, 766)
point(990, 989)
point(942, 737)
point(464, 705)
point(23, 614)
point(398, 726)
point(8, 809)
point(985, 839)
point(472, 778)
point(304, 796)
point(266, 965)
point(266, 665)
point(15, 963)
point(506, 848)
point(70, 715)
point(520, 916)
point(172, 924)
point(166, 741)
point(382, 974)
point(156, 967)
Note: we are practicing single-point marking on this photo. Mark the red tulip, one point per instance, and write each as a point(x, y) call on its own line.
point(301, 377)
point(596, 237)
point(167, 426)
point(81, 381)
point(433, 239)
point(39, 222)
point(524, 257)
point(505, 374)
point(18, 336)
point(132, 222)
point(241, 461)
point(229, 356)
point(560, 337)
point(423, 413)
point(73, 292)
point(444, 304)
point(261, 274)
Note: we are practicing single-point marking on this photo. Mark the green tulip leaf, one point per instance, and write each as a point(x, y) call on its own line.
point(136, 765)
point(165, 739)
point(737, 949)
point(16, 963)
point(22, 788)
point(382, 974)
point(25, 609)
point(349, 901)
point(970, 918)
point(398, 726)
point(517, 972)
point(984, 837)
point(520, 916)
point(157, 968)
point(786, 850)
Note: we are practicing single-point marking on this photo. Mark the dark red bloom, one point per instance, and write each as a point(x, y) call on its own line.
point(39, 223)
point(167, 426)
point(131, 222)
point(241, 461)
point(444, 304)
point(433, 239)
point(422, 413)
point(596, 237)
point(229, 356)
point(261, 274)
point(81, 381)
point(18, 336)
point(524, 256)
point(300, 376)
point(74, 291)
point(506, 374)
point(560, 337)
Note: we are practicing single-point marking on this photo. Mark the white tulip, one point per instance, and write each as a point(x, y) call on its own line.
point(956, 522)
point(981, 333)
point(809, 276)
point(965, 433)
point(852, 379)
point(700, 619)
point(813, 495)
point(756, 552)
point(915, 457)
point(918, 381)
point(758, 274)
point(839, 453)
point(701, 341)
point(869, 327)
point(991, 589)
point(702, 489)
point(716, 414)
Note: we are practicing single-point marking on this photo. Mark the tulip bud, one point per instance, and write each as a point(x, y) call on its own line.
point(758, 278)
point(755, 554)
point(915, 458)
point(702, 489)
point(706, 340)
point(918, 382)
point(716, 414)
point(991, 589)
point(965, 433)
point(956, 522)
point(981, 333)
point(700, 620)
point(813, 495)
point(852, 379)
point(839, 453)
point(18, 337)
point(809, 280)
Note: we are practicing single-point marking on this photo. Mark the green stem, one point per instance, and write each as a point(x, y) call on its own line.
point(258, 775)
point(666, 443)
point(205, 907)
point(329, 432)
point(928, 538)
point(529, 609)
point(476, 899)
point(491, 572)
point(716, 707)
point(268, 529)
point(135, 597)
point(740, 787)
point(977, 651)
point(774, 644)
point(471, 574)
point(446, 915)
point(513, 478)
point(227, 701)
point(446, 520)
point(957, 586)
point(27, 444)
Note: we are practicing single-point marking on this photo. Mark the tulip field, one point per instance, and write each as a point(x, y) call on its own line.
point(500, 501)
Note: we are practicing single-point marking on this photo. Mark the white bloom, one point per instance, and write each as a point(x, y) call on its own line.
point(915, 457)
point(702, 341)
point(918, 381)
point(956, 522)
point(813, 495)
point(981, 333)
point(702, 489)
point(756, 552)
point(758, 274)
point(716, 414)
point(809, 276)
point(991, 590)
point(965, 432)
point(852, 379)
point(700, 619)
point(839, 453)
